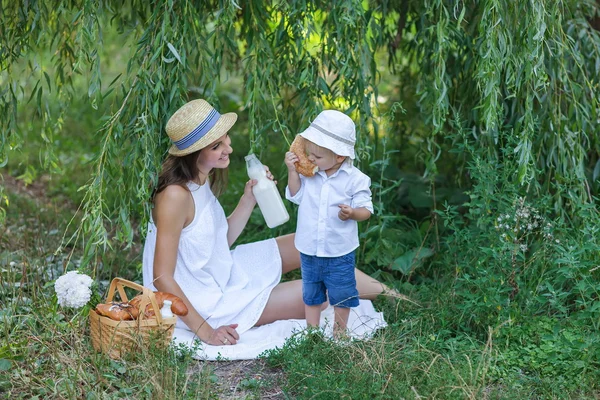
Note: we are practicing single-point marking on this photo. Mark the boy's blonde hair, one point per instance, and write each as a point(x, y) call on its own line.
point(311, 146)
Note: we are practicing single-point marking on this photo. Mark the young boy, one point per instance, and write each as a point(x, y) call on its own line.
point(330, 204)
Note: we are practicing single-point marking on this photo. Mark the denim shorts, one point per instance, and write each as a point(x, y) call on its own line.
point(334, 274)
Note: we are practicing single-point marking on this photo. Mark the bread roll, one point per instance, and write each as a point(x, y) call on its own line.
point(117, 311)
point(304, 166)
point(131, 310)
point(178, 307)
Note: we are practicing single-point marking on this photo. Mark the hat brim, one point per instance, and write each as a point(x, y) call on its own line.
point(318, 138)
point(222, 126)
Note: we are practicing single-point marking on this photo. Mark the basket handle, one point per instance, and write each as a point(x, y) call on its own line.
point(119, 284)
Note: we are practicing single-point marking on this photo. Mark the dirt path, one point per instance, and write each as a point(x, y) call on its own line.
point(245, 379)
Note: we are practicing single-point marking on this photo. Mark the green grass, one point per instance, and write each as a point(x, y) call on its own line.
point(45, 350)
point(402, 361)
point(414, 358)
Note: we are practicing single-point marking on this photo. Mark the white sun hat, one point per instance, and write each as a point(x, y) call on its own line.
point(333, 130)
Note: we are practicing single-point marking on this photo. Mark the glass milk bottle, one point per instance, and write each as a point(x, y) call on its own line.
point(268, 198)
point(165, 311)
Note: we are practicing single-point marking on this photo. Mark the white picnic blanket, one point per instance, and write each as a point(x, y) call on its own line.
point(364, 320)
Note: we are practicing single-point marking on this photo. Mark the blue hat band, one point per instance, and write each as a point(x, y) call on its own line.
point(199, 131)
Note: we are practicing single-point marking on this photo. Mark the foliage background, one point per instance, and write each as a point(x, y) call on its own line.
point(478, 123)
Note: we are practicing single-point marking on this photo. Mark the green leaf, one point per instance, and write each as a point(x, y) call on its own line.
point(5, 364)
point(174, 51)
point(33, 92)
point(114, 80)
point(419, 197)
point(460, 17)
point(596, 171)
point(412, 259)
point(92, 88)
point(322, 85)
point(48, 81)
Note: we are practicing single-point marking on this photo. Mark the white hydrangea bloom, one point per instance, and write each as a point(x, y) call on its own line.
point(73, 289)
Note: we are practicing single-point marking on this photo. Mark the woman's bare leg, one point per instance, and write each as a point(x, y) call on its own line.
point(285, 302)
point(368, 288)
point(290, 257)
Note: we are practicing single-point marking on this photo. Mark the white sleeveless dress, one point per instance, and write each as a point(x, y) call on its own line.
point(224, 286)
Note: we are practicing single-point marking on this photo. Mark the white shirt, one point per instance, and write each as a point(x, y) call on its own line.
point(320, 231)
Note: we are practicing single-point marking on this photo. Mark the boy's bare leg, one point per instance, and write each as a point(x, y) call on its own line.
point(340, 326)
point(313, 315)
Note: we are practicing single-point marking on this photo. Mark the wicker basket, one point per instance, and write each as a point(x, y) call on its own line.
point(119, 338)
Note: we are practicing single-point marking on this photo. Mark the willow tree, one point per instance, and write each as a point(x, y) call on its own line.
point(499, 96)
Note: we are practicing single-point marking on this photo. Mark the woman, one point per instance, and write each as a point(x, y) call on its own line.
point(187, 250)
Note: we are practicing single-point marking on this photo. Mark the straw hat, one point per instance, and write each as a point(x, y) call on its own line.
point(196, 125)
point(333, 130)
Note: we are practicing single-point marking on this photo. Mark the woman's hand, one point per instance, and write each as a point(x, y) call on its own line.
point(248, 191)
point(224, 335)
point(248, 194)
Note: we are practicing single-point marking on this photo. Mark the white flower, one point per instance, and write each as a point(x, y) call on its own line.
point(73, 289)
point(523, 248)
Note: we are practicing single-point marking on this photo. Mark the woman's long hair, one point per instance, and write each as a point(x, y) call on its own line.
point(181, 170)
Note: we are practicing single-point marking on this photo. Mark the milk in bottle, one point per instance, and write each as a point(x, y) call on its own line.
point(266, 193)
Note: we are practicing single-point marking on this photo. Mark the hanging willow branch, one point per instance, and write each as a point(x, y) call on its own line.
point(522, 77)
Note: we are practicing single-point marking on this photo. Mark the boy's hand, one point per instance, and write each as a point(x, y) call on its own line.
point(345, 212)
point(290, 160)
point(269, 174)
